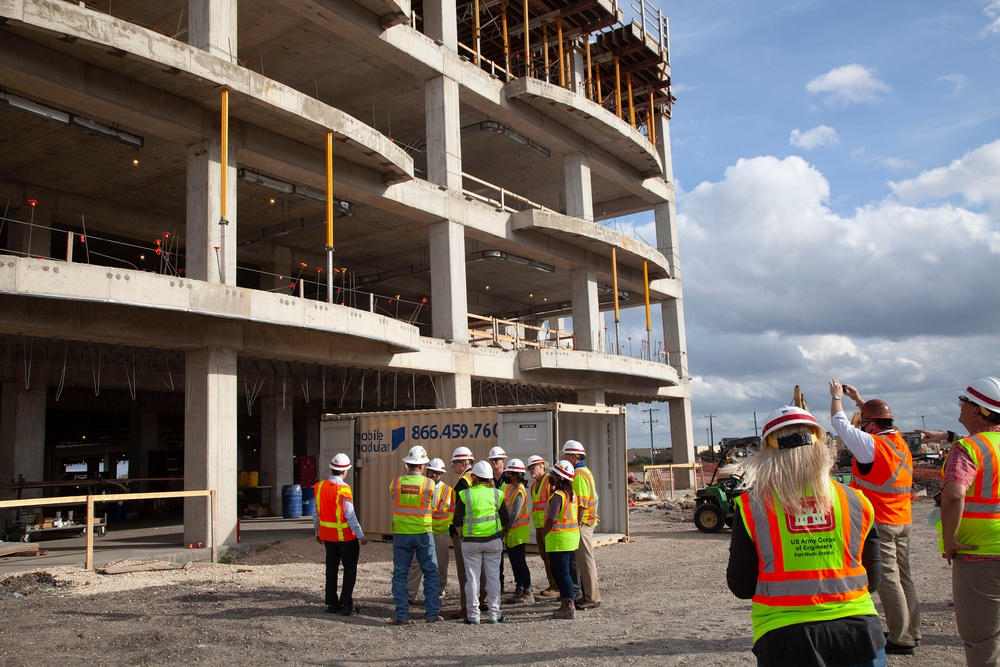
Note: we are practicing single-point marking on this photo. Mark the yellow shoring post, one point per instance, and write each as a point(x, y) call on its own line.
point(614, 287)
point(224, 140)
point(329, 217)
point(651, 121)
point(529, 66)
point(562, 69)
point(590, 74)
point(475, 31)
point(545, 50)
point(645, 288)
point(506, 39)
point(631, 104)
point(618, 87)
point(600, 93)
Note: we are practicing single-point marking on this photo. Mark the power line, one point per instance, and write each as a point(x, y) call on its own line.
point(650, 411)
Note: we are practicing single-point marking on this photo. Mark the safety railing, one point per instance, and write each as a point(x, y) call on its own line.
point(510, 335)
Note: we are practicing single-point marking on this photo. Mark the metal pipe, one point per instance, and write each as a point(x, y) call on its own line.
point(562, 68)
point(645, 288)
point(506, 39)
point(631, 105)
point(590, 86)
point(529, 67)
point(618, 87)
point(329, 217)
point(614, 287)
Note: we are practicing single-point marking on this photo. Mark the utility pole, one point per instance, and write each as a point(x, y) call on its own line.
point(650, 411)
point(755, 423)
point(711, 435)
point(923, 424)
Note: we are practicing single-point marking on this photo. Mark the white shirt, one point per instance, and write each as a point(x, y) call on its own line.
point(861, 444)
point(349, 515)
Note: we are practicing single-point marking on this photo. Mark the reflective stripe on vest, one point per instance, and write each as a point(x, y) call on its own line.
point(565, 532)
point(443, 508)
point(412, 498)
point(890, 481)
point(482, 505)
point(809, 566)
point(586, 495)
point(333, 527)
point(519, 530)
point(540, 491)
point(979, 525)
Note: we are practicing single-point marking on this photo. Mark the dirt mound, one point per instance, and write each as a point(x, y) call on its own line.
point(29, 583)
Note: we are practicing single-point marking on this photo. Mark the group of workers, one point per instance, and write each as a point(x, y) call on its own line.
point(809, 551)
point(489, 511)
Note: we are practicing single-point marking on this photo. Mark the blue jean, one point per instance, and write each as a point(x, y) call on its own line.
point(404, 548)
point(559, 563)
point(878, 661)
point(519, 563)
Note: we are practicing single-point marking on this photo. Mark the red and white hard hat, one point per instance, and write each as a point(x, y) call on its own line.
point(564, 469)
point(984, 392)
point(497, 453)
point(534, 460)
point(514, 465)
point(573, 447)
point(340, 462)
point(788, 415)
point(462, 454)
point(437, 465)
point(483, 470)
point(417, 456)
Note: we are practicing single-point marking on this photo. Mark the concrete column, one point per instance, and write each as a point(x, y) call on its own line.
point(577, 70)
point(663, 147)
point(579, 194)
point(205, 233)
point(210, 444)
point(449, 300)
point(22, 437)
point(592, 396)
point(29, 231)
point(586, 315)
point(144, 437)
point(441, 22)
point(455, 391)
point(444, 133)
point(682, 438)
point(212, 26)
point(276, 447)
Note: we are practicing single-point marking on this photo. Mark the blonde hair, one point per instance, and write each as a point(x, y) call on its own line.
point(787, 476)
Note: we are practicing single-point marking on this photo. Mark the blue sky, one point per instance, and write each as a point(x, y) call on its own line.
point(837, 168)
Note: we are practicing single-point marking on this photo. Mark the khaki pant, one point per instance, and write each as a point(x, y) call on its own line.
point(896, 591)
point(588, 566)
point(975, 588)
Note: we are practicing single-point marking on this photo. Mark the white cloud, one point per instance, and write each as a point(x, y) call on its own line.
point(973, 177)
point(992, 11)
point(849, 84)
point(959, 81)
point(814, 138)
point(887, 163)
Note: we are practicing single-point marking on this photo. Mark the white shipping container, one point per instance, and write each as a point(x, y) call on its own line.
point(378, 441)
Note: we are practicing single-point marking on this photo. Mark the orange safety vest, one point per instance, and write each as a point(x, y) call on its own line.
point(443, 508)
point(586, 495)
point(330, 497)
point(890, 481)
point(980, 524)
point(809, 565)
point(540, 493)
point(565, 532)
point(518, 532)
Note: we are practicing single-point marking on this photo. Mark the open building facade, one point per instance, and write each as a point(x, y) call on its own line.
point(224, 218)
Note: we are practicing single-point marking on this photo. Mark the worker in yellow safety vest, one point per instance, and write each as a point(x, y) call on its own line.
point(442, 508)
point(805, 553)
point(562, 533)
point(519, 531)
point(337, 528)
point(412, 523)
point(588, 594)
point(481, 516)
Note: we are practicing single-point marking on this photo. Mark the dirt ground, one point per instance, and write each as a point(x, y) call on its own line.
point(665, 602)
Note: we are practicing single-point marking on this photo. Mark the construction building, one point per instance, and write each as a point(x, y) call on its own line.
point(224, 218)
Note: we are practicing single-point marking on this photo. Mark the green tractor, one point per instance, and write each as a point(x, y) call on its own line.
point(714, 503)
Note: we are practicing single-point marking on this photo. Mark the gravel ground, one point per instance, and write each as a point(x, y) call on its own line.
point(665, 602)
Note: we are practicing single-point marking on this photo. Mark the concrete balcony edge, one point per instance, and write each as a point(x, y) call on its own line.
point(595, 362)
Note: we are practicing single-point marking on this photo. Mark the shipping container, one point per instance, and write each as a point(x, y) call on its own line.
point(378, 441)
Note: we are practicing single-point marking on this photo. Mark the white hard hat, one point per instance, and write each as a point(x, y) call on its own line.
point(984, 392)
point(788, 415)
point(437, 465)
point(534, 459)
point(573, 447)
point(497, 453)
point(340, 462)
point(482, 469)
point(514, 465)
point(564, 469)
point(462, 454)
point(417, 456)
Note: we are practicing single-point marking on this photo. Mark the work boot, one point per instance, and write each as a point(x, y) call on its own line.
point(566, 610)
point(527, 597)
point(460, 614)
point(516, 598)
point(550, 592)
